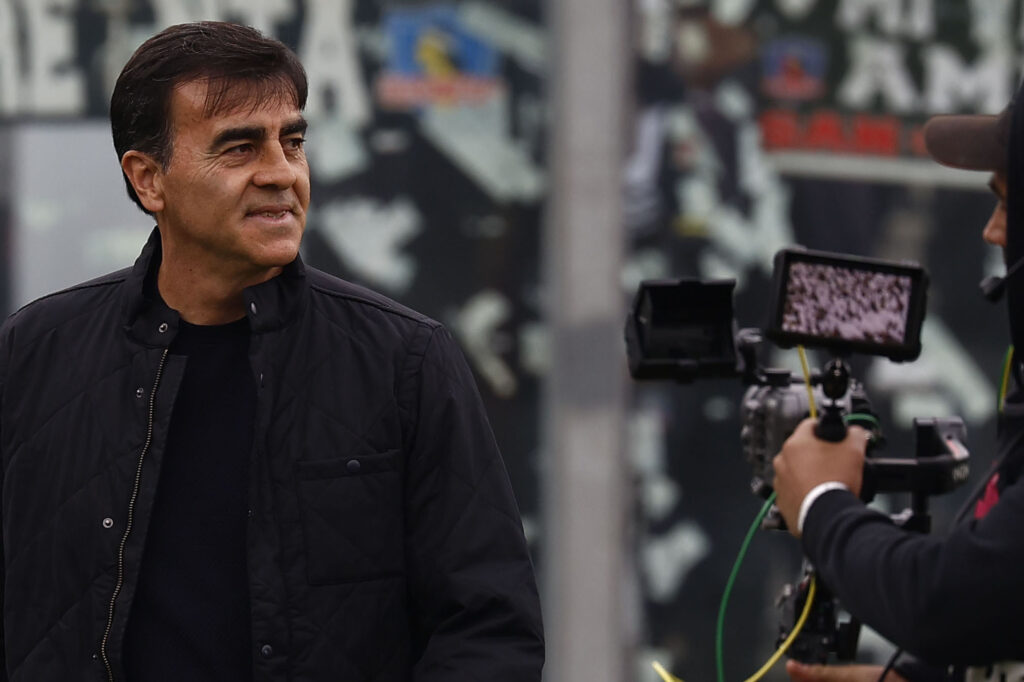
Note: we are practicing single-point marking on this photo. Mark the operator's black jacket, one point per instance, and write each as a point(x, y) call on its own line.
point(384, 541)
point(949, 599)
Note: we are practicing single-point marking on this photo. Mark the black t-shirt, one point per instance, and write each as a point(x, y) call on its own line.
point(190, 615)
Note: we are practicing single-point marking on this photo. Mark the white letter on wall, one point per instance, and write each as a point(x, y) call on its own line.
point(264, 15)
point(991, 23)
point(10, 60)
point(170, 12)
point(854, 14)
point(950, 85)
point(54, 83)
point(329, 51)
point(914, 18)
point(920, 19)
point(877, 68)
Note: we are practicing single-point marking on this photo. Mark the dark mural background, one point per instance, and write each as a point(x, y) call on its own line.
point(755, 125)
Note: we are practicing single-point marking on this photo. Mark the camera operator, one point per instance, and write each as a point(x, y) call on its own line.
point(955, 604)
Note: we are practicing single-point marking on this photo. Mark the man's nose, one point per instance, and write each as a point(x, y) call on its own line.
point(275, 168)
point(995, 229)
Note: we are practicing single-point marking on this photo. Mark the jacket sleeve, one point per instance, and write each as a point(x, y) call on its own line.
point(956, 599)
point(473, 596)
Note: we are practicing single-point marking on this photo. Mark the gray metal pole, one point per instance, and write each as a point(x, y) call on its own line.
point(585, 481)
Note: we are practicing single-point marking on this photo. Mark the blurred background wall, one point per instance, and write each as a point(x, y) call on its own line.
point(514, 168)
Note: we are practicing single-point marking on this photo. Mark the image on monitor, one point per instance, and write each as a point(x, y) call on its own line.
point(835, 302)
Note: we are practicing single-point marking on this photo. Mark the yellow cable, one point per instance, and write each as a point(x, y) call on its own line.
point(665, 675)
point(1007, 363)
point(669, 677)
point(789, 640)
point(807, 381)
point(808, 603)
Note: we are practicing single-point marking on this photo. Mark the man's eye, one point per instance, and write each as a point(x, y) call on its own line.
point(240, 149)
point(296, 142)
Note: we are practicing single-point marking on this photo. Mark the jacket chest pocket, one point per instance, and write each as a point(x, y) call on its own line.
point(351, 511)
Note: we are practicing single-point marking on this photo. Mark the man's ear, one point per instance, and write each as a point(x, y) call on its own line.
point(144, 172)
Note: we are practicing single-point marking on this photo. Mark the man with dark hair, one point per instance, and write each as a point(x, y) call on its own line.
point(952, 602)
point(222, 465)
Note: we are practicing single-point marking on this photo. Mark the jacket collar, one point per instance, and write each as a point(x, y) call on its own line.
point(268, 306)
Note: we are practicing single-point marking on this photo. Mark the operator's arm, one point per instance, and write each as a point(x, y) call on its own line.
point(473, 598)
point(956, 599)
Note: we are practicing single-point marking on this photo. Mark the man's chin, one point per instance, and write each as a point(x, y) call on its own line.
point(278, 258)
point(273, 254)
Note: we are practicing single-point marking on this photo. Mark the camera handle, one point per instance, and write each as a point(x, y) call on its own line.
point(823, 632)
point(835, 380)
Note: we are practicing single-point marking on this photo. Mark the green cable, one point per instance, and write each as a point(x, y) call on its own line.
point(862, 417)
point(732, 579)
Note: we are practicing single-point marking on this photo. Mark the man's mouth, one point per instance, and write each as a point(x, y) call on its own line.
point(271, 212)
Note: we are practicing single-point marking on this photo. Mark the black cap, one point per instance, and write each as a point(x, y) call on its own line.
point(972, 142)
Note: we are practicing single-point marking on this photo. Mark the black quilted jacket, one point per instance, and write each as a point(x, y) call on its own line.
point(384, 542)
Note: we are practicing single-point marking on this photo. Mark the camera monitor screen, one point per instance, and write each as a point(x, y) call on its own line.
point(848, 304)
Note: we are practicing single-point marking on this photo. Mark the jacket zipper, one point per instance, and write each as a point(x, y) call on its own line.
point(131, 517)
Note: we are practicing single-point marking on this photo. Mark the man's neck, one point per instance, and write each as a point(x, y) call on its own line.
point(202, 297)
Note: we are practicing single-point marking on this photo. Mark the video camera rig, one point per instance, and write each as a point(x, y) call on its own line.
point(684, 330)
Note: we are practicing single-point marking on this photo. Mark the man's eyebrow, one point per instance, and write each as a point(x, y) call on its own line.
point(239, 134)
point(256, 133)
point(299, 125)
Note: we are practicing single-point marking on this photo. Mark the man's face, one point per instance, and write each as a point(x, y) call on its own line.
point(995, 230)
point(236, 190)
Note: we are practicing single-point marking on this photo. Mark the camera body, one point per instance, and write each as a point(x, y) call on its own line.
point(770, 411)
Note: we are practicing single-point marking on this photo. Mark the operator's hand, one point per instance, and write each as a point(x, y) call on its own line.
point(806, 461)
point(802, 672)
